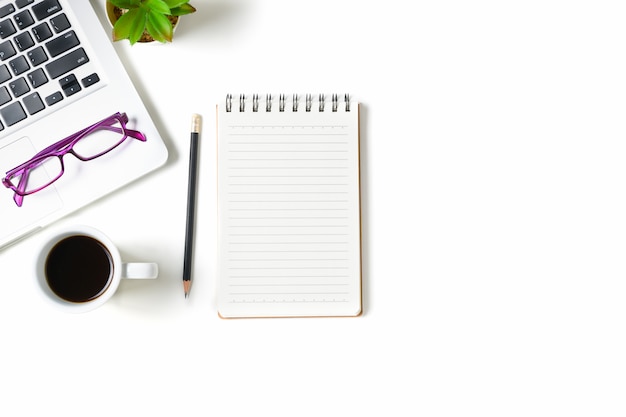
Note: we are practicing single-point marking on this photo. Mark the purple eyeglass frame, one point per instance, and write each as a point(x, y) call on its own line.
point(63, 147)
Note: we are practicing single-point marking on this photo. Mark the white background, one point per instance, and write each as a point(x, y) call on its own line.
point(494, 224)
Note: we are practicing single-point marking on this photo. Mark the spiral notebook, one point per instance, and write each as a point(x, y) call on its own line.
point(289, 228)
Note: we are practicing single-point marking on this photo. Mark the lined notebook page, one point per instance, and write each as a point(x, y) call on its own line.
point(288, 209)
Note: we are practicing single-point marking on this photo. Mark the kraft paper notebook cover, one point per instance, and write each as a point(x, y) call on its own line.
point(289, 228)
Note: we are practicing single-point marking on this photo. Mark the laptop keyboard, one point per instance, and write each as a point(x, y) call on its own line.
point(39, 53)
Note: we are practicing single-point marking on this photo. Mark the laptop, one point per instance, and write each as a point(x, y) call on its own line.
point(59, 74)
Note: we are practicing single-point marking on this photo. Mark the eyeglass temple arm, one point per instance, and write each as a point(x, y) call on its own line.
point(103, 124)
point(64, 142)
point(54, 146)
point(136, 134)
point(28, 164)
point(129, 132)
point(61, 143)
point(21, 186)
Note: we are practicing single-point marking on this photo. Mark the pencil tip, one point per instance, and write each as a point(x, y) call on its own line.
point(187, 287)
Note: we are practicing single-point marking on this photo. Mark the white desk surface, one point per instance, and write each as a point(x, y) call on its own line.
point(494, 224)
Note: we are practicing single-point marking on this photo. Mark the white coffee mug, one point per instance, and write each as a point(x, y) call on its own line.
point(78, 268)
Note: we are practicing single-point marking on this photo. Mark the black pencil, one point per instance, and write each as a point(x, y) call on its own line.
point(191, 202)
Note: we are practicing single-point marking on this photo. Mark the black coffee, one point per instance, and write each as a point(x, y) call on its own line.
point(79, 268)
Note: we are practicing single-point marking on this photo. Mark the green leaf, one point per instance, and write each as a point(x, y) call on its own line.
point(182, 10)
point(130, 26)
point(175, 3)
point(125, 4)
point(159, 26)
point(156, 6)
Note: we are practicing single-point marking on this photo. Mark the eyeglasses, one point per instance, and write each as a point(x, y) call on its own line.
point(47, 166)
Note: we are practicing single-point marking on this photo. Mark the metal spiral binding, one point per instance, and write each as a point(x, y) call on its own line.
point(282, 101)
point(295, 102)
point(229, 102)
point(268, 103)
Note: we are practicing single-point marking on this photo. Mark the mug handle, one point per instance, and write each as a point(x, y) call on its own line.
point(140, 270)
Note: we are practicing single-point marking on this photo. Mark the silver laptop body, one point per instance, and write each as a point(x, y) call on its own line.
point(63, 75)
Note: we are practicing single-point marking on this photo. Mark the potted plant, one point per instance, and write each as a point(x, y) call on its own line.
point(146, 20)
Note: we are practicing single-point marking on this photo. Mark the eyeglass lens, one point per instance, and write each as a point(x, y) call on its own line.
point(40, 175)
point(99, 141)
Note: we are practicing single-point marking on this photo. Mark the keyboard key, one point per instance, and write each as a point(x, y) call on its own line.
point(23, 41)
point(33, 103)
point(6, 50)
point(37, 78)
point(5, 97)
point(5, 75)
point(13, 113)
point(23, 3)
point(60, 23)
point(62, 44)
point(72, 89)
point(68, 79)
point(67, 63)
point(37, 56)
point(69, 85)
point(6, 10)
point(6, 28)
point(42, 32)
point(23, 19)
point(90, 80)
point(19, 87)
point(54, 98)
point(19, 65)
point(46, 9)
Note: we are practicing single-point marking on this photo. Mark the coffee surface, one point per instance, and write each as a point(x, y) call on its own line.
point(79, 268)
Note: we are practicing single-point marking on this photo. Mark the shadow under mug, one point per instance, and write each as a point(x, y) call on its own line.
point(78, 268)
